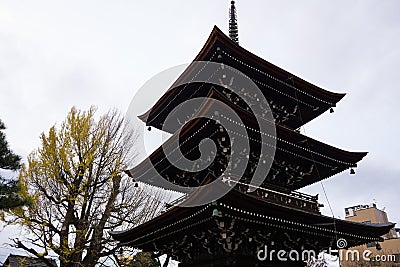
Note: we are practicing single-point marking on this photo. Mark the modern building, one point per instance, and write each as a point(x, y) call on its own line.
point(389, 247)
point(369, 214)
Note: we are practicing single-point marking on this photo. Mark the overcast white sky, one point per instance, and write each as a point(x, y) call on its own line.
point(59, 54)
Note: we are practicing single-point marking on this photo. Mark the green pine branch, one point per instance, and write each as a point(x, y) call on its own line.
point(9, 189)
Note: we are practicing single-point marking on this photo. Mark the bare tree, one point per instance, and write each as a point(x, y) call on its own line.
point(79, 191)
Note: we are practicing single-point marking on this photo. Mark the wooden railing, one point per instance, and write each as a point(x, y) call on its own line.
point(292, 199)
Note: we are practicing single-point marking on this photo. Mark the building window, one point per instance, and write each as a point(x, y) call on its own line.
point(397, 257)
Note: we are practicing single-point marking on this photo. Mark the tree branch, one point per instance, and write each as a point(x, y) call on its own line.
point(41, 256)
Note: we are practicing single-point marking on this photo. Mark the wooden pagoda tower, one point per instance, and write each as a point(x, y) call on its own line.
point(231, 230)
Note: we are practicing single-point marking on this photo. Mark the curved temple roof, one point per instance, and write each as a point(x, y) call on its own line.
point(281, 87)
point(245, 208)
point(293, 150)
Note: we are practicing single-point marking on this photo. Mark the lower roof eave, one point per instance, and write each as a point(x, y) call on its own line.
point(244, 206)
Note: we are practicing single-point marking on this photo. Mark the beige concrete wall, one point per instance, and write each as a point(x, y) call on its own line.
point(389, 247)
point(372, 215)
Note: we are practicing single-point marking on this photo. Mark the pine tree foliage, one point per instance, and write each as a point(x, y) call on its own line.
point(9, 189)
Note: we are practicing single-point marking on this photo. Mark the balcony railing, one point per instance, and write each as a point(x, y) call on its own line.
point(292, 199)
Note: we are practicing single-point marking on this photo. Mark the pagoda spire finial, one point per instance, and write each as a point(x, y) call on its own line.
point(233, 26)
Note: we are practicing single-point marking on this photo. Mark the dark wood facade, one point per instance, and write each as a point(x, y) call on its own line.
point(231, 231)
point(298, 161)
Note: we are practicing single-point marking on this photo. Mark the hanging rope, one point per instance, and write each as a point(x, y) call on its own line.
point(318, 174)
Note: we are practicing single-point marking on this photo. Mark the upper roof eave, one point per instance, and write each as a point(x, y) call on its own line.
point(218, 35)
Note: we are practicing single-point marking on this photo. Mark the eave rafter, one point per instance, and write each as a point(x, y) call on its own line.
point(243, 222)
point(298, 160)
point(288, 95)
